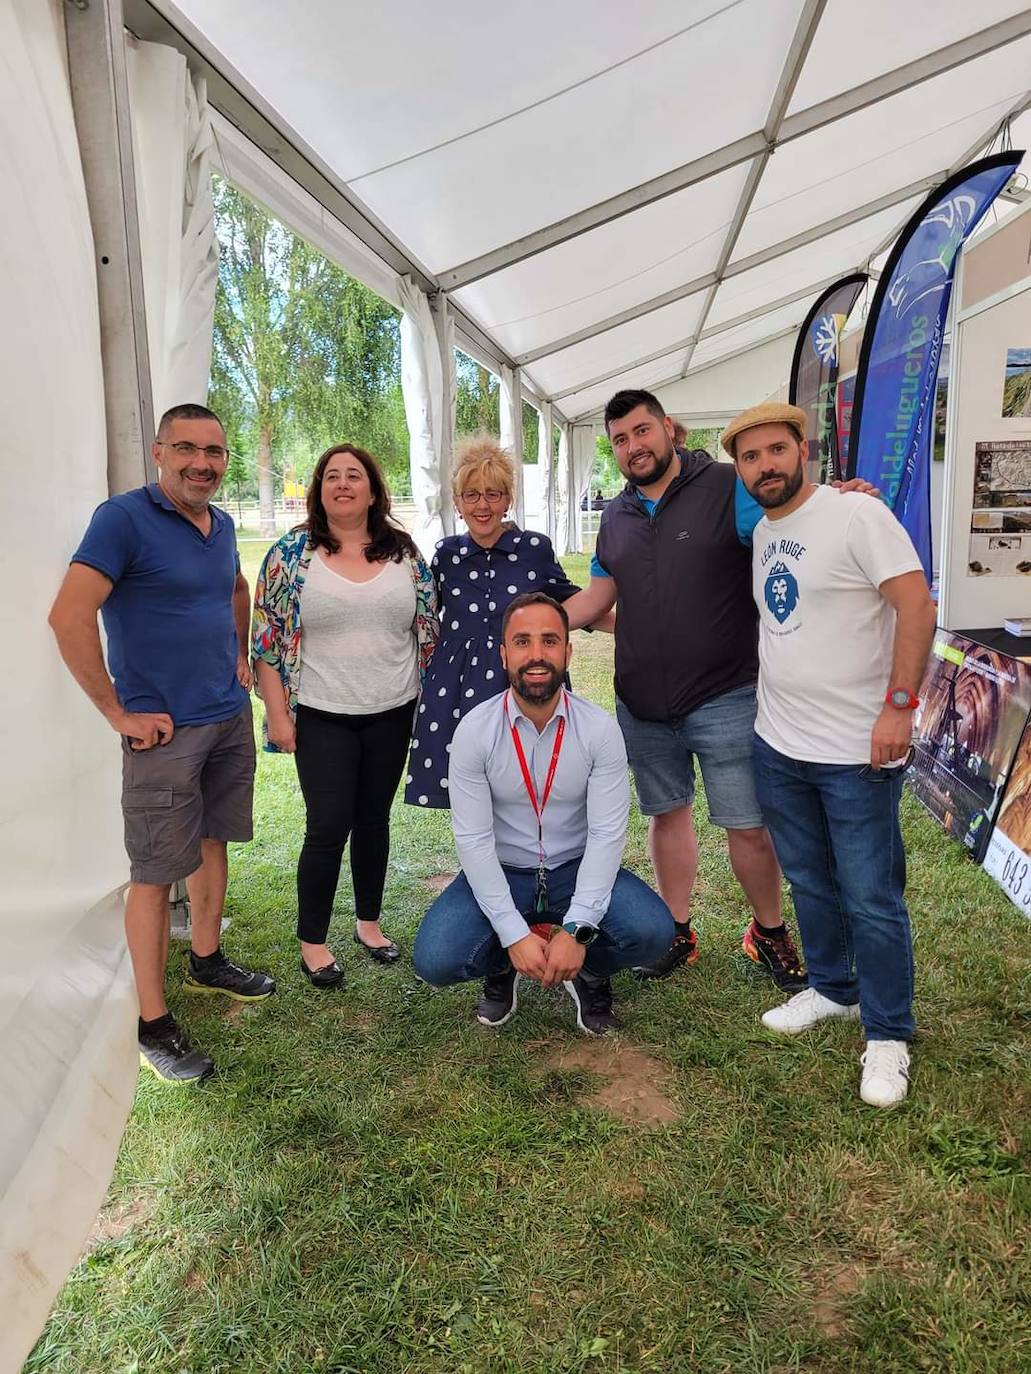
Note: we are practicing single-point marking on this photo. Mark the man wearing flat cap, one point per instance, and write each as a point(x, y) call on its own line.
point(845, 626)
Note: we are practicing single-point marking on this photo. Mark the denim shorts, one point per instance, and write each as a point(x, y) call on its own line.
point(662, 755)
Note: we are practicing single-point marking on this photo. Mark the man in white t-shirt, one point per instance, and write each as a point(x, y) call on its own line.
point(846, 623)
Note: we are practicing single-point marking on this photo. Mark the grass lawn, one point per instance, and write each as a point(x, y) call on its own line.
point(373, 1182)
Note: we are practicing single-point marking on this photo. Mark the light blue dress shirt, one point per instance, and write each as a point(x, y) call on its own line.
point(494, 822)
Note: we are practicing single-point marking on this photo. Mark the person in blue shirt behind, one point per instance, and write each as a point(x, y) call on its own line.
point(160, 566)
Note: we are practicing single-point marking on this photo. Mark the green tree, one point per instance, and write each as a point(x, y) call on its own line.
point(303, 355)
point(477, 397)
point(236, 477)
point(605, 473)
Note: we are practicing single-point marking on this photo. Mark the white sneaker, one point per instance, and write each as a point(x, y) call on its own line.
point(807, 1008)
point(885, 1073)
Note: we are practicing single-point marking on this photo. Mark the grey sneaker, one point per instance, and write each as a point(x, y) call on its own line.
point(592, 998)
point(499, 1000)
point(221, 975)
point(169, 1056)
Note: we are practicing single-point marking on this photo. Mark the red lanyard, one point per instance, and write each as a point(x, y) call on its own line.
point(531, 791)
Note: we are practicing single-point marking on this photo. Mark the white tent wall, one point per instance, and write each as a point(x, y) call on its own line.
point(575, 461)
point(67, 1006)
point(511, 432)
point(546, 484)
point(425, 370)
point(172, 143)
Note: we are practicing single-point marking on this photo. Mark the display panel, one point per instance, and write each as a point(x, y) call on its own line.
point(974, 707)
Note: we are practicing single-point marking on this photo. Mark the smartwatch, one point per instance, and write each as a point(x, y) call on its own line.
point(581, 932)
point(901, 699)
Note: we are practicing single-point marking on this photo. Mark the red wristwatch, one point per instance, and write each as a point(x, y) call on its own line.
point(901, 699)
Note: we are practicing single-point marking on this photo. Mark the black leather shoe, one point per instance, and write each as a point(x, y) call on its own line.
point(383, 954)
point(329, 976)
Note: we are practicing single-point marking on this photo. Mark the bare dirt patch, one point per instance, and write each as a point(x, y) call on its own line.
point(635, 1084)
point(119, 1219)
point(437, 882)
point(354, 1018)
point(830, 1303)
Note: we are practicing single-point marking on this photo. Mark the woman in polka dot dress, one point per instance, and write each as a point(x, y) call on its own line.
point(477, 575)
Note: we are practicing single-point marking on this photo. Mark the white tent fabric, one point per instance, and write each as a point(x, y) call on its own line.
point(658, 217)
point(67, 1005)
point(422, 382)
point(546, 484)
point(575, 461)
point(172, 143)
point(511, 434)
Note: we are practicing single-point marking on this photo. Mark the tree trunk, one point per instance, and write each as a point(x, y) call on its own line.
point(266, 489)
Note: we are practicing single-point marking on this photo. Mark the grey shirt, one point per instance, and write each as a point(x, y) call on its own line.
point(494, 822)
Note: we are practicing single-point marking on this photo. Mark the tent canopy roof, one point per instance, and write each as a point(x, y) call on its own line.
point(616, 194)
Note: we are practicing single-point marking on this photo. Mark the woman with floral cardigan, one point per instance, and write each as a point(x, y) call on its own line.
point(345, 623)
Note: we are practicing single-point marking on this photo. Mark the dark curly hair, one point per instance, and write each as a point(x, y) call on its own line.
point(387, 540)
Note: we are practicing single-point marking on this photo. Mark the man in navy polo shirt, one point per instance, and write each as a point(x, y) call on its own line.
point(160, 565)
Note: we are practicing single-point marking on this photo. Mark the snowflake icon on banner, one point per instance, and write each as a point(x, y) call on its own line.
point(825, 340)
point(781, 591)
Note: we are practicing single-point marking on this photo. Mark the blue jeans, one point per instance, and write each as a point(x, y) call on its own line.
point(838, 840)
point(457, 944)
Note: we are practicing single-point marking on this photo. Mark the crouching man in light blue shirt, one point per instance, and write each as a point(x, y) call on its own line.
point(539, 802)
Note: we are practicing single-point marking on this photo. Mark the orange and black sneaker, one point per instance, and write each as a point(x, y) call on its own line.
point(683, 950)
point(776, 953)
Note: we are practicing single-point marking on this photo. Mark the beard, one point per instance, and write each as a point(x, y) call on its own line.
point(644, 477)
point(536, 690)
point(781, 495)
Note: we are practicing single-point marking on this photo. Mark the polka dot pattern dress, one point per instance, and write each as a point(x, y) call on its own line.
point(474, 585)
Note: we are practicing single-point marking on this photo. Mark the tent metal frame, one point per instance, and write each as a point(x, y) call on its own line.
point(100, 103)
point(240, 103)
point(802, 293)
point(742, 150)
point(234, 98)
point(767, 255)
point(735, 269)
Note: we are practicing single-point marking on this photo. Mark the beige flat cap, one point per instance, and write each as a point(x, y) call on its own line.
point(769, 413)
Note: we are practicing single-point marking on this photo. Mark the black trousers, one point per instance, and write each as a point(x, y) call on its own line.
point(348, 768)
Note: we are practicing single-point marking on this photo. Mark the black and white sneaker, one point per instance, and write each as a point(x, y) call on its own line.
point(592, 998)
point(219, 974)
point(167, 1053)
point(499, 1000)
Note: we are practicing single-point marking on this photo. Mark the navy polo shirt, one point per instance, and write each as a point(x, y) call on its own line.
point(171, 637)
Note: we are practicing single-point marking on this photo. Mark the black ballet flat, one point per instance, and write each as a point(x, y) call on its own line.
point(383, 954)
point(329, 976)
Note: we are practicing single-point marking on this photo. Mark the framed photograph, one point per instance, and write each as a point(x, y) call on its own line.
point(1016, 387)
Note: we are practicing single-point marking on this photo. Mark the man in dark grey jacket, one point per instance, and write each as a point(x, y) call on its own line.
point(675, 549)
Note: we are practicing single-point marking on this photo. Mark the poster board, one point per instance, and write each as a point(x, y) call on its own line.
point(1008, 855)
point(974, 707)
point(986, 537)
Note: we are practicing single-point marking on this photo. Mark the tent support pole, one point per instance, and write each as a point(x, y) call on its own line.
point(100, 99)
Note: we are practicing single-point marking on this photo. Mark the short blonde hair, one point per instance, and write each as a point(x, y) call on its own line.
point(480, 458)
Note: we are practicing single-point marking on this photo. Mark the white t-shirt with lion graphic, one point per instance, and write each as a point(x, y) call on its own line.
point(825, 632)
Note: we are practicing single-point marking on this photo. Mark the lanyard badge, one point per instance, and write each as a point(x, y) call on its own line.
point(540, 898)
